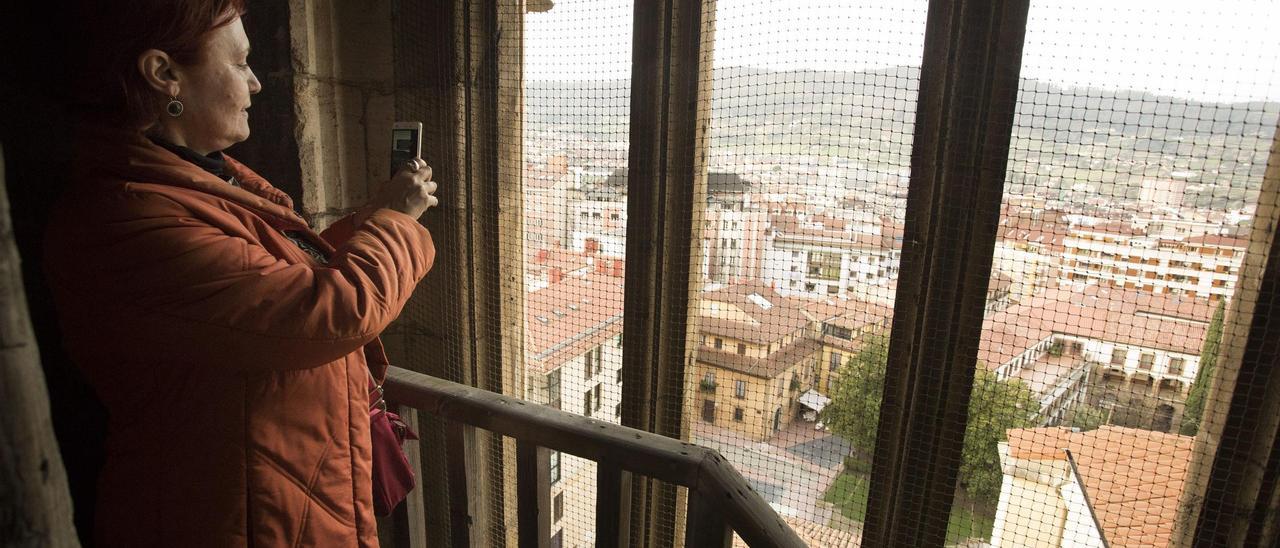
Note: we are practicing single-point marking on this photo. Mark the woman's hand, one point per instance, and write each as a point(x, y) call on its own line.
point(410, 191)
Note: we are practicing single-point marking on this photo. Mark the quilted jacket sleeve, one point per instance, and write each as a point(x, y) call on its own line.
point(193, 285)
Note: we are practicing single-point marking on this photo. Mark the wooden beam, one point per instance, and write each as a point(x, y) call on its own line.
point(1232, 495)
point(662, 458)
point(670, 106)
point(964, 117)
point(37, 505)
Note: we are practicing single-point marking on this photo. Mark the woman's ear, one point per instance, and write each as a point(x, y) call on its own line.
point(158, 70)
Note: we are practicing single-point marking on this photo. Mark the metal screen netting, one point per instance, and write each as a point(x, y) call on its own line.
point(808, 164)
point(577, 71)
point(1140, 139)
point(1139, 145)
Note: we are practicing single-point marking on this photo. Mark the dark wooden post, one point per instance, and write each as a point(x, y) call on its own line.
point(964, 117)
point(706, 527)
point(613, 506)
point(666, 180)
point(533, 483)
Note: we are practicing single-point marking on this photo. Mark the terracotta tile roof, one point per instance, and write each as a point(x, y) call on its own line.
point(565, 319)
point(757, 324)
point(1020, 229)
point(766, 368)
point(1219, 241)
point(1133, 477)
point(566, 260)
point(1114, 315)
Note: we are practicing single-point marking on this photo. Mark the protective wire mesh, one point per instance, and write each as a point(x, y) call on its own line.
point(1141, 135)
point(809, 157)
point(577, 69)
point(1139, 144)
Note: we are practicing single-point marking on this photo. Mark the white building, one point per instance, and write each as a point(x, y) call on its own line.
point(599, 224)
point(1119, 255)
point(1141, 344)
point(822, 255)
point(1107, 487)
point(547, 194)
point(573, 362)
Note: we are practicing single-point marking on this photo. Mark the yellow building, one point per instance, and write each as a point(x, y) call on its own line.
point(759, 352)
point(843, 325)
point(756, 356)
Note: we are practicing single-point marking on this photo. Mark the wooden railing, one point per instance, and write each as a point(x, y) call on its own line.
point(720, 500)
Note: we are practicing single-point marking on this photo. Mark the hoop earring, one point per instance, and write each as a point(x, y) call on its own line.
point(174, 108)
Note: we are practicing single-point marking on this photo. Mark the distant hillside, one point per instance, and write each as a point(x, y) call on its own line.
point(871, 114)
point(888, 94)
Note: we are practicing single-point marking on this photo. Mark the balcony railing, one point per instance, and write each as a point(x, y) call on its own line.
point(720, 501)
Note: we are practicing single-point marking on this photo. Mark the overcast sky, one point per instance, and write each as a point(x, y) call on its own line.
point(1223, 50)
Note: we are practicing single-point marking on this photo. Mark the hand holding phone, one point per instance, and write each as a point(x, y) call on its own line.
point(410, 190)
point(406, 144)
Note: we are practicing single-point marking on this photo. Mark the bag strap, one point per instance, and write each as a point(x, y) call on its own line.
point(381, 402)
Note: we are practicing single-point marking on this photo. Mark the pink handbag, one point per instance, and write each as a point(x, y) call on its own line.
point(392, 475)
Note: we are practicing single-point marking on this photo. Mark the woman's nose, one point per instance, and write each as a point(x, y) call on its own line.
point(254, 85)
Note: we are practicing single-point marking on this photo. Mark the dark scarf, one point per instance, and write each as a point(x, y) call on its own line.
point(213, 162)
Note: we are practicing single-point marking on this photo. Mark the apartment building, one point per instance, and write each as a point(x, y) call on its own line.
point(843, 326)
point(755, 357)
point(1142, 348)
point(824, 255)
point(573, 362)
point(1118, 254)
point(548, 189)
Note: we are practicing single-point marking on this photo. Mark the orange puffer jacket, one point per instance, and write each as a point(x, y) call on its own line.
point(232, 364)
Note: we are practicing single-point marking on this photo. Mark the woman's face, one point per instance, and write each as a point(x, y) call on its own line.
point(215, 94)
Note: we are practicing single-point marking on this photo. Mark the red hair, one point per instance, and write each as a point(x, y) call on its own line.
point(116, 34)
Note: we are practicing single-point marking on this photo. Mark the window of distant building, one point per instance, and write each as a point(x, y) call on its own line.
point(740, 389)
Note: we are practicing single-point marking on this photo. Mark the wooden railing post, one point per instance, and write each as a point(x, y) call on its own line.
point(460, 441)
point(408, 526)
point(724, 499)
point(613, 506)
point(533, 487)
point(706, 526)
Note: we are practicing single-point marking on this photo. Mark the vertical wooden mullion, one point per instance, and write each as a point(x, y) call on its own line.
point(968, 92)
point(1232, 494)
point(457, 69)
point(666, 187)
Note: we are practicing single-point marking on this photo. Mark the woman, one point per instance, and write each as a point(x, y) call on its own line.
point(231, 345)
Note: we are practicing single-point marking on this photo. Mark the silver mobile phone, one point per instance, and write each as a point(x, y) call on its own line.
point(406, 144)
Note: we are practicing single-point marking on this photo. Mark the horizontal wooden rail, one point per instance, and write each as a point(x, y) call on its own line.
point(720, 495)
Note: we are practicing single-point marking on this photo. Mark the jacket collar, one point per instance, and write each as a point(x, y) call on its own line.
point(128, 154)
